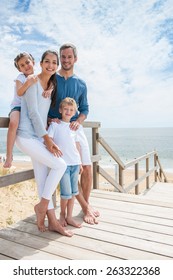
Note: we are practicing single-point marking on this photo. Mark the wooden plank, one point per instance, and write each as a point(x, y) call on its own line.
point(22, 252)
point(133, 162)
point(110, 151)
point(137, 235)
point(160, 192)
point(110, 179)
point(17, 177)
point(100, 249)
point(139, 180)
point(4, 122)
point(4, 257)
point(106, 215)
point(126, 230)
point(87, 124)
point(101, 241)
point(141, 199)
point(138, 229)
point(51, 246)
point(136, 248)
point(128, 207)
point(147, 226)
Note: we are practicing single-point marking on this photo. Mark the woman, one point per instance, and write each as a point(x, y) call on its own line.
point(32, 139)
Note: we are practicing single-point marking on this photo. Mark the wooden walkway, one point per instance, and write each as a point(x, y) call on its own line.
point(161, 191)
point(130, 228)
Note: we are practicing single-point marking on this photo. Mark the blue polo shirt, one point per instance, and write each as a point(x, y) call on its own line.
point(75, 88)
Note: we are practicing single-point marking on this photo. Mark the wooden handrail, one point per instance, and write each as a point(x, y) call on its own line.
point(103, 173)
point(25, 175)
point(110, 151)
point(4, 122)
point(97, 139)
point(136, 160)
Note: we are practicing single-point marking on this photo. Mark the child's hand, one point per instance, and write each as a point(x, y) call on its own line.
point(81, 169)
point(32, 79)
point(47, 93)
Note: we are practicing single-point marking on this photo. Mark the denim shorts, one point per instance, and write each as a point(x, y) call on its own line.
point(69, 182)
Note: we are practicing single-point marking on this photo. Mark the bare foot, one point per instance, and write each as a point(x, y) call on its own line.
point(8, 162)
point(93, 211)
point(55, 226)
point(89, 218)
point(62, 221)
point(40, 218)
point(72, 222)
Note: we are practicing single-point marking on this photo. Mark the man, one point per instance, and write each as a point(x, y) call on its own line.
point(69, 85)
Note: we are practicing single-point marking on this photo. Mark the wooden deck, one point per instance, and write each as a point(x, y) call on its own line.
point(130, 227)
point(161, 191)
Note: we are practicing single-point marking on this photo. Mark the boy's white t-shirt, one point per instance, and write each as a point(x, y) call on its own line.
point(65, 139)
point(16, 102)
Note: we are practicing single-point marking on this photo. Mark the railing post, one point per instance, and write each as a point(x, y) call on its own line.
point(136, 177)
point(155, 165)
point(147, 169)
point(121, 176)
point(95, 152)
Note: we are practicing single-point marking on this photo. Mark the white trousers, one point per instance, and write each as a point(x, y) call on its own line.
point(48, 169)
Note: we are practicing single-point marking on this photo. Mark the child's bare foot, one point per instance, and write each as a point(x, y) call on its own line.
point(8, 162)
point(62, 221)
point(72, 222)
point(40, 218)
point(55, 226)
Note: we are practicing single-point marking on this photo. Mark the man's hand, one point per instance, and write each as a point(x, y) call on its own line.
point(49, 120)
point(74, 125)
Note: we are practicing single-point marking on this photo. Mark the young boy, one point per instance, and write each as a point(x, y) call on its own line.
point(24, 62)
point(67, 141)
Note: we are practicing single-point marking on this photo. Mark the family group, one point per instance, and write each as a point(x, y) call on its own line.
point(46, 118)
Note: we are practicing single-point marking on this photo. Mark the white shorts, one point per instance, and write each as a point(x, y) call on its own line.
point(85, 152)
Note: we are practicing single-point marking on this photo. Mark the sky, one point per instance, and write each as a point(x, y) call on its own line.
point(125, 54)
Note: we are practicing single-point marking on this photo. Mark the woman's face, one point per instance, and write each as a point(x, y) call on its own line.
point(50, 64)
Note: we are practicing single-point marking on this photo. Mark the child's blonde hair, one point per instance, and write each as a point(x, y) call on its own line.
point(68, 101)
point(19, 56)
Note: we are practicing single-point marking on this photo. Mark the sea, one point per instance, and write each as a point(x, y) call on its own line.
point(128, 143)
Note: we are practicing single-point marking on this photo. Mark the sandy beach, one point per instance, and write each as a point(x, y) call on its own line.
point(17, 201)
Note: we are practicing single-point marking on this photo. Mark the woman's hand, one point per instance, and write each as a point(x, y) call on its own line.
point(51, 146)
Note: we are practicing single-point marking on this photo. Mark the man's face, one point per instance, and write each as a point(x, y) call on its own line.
point(67, 59)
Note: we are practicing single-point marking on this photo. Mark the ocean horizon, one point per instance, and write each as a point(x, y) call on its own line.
point(128, 143)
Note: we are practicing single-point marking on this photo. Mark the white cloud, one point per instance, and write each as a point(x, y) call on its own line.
point(124, 47)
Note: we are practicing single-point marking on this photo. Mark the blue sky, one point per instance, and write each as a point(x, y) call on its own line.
point(125, 53)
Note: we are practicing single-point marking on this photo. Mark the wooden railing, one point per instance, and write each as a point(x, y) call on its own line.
point(21, 176)
point(119, 184)
point(157, 170)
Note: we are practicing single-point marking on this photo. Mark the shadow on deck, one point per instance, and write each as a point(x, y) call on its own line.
point(130, 227)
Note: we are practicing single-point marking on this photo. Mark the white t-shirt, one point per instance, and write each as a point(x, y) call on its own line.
point(66, 140)
point(16, 102)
